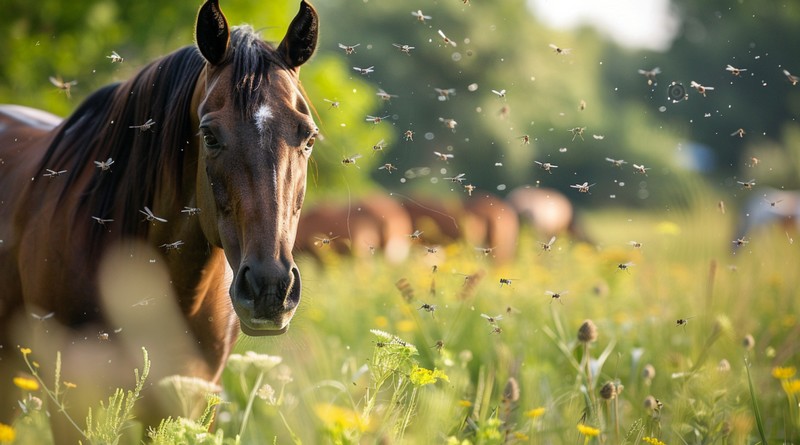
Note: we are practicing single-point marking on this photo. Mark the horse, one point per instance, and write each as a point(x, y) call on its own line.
point(197, 165)
point(491, 222)
point(546, 211)
point(766, 206)
point(374, 223)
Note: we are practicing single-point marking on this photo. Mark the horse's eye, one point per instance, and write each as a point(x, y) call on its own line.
point(209, 139)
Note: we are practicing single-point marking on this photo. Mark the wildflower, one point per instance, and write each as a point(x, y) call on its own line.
point(793, 387)
point(653, 441)
point(651, 403)
point(724, 365)
point(7, 433)
point(535, 412)
point(25, 351)
point(267, 393)
point(588, 431)
point(465, 403)
point(784, 373)
point(338, 418)
point(520, 436)
point(421, 376)
point(26, 383)
point(262, 362)
point(587, 332)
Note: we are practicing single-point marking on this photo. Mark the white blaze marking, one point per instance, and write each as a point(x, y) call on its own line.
point(263, 114)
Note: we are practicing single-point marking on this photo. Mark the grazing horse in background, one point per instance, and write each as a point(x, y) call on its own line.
point(547, 211)
point(766, 206)
point(211, 187)
point(374, 223)
point(490, 222)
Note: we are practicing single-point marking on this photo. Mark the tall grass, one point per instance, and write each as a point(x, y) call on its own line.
point(363, 364)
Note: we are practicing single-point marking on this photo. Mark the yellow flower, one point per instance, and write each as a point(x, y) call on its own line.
point(784, 373)
point(26, 383)
point(7, 434)
point(653, 441)
point(381, 322)
point(338, 418)
point(25, 351)
point(534, 413)
point(793, 387)
point(521, 436)
point(588, 431)
point(421, 376)
point(405, 325)
point(465, 403)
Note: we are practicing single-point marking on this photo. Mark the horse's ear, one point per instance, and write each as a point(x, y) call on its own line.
point(301, 38)
point(212, 32)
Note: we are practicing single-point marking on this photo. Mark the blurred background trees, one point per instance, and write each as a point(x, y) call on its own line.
point(688, 145)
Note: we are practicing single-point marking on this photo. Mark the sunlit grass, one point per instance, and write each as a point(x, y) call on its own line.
point(365, 363)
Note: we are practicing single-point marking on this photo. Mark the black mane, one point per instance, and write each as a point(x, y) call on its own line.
point(150, 160)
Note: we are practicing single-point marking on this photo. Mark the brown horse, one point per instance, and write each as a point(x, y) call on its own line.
point(197, 163)
point(547, 211)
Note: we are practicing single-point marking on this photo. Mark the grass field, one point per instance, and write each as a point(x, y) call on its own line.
point(663, 358)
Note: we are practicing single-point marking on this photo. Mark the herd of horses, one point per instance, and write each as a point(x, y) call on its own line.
point(392, 225)
point(164, 213)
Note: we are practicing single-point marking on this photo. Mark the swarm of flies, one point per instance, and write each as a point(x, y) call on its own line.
point(546, 166)
point(735, 71)
point(351, 160)
point(349, 49)
point(443, 156)
point(66, 87)
point(376, 119)
point(420, 16)
point(384, 95)
point(416, 235)
point(583, 188)
point(324, 241)
point(556, 295)
point(747, 185)
point(506, 281)
point(446, 40)
point(640, 169)
point(625, 266)
point(449, 123)
point(548, 246)
point(53, 173)
point(115, 58)
point(149, 216)
point(702, 89)
point(650, 75)
point(459, 178)
point(191, 211)
point(559, 50)
point(403, 48)
point(444, 94)
point(104, 165)
point(102, 221)
point(334, 103)
point(469, 188)
point(364, 71)
point(576, 132)
point(616, 162)
point(389, 167)
point(172, 246)
point(790, 77)
point(145, 126)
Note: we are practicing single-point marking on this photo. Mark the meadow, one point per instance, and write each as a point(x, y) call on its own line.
point(695, 341)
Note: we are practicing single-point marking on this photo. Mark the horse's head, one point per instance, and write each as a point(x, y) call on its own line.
point(255, 137)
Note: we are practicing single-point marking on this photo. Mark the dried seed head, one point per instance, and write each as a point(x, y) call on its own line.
point(511, 391)
point(587, 332)
point(748, 342)
point(608, 391)
point(648, 372)
point(650, 403)
point(724, 365)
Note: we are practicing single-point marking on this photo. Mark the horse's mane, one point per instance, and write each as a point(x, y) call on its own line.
point(146, 161)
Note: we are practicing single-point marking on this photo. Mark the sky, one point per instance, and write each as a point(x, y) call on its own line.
point(645, 24)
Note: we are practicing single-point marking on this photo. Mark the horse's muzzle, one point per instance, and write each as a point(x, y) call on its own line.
point(265, 296)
